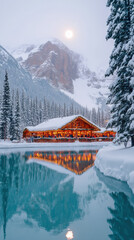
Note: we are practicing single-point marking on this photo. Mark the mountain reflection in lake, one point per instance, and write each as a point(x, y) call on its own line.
point(42, 202)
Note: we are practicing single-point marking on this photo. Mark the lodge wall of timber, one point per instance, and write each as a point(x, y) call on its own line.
point(78, 128)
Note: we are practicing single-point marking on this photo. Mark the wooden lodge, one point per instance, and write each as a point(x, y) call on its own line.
point(67, 129)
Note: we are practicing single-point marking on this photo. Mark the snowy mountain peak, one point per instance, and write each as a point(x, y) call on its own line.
point(65, 70)
point(52, 61)
point(20, 79)
point(22, 52)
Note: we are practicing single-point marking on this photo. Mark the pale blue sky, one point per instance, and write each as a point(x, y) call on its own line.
point(36, 21)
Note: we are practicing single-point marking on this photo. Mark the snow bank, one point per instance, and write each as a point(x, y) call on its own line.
point(117, 162)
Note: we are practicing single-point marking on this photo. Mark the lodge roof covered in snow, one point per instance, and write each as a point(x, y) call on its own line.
point(59, 123)
point(107, 129)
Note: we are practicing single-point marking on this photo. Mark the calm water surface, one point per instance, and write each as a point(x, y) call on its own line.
point(43, 195)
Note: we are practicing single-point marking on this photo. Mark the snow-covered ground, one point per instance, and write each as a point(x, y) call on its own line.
point(22, 145)
point(117, 162)
point(88, 94)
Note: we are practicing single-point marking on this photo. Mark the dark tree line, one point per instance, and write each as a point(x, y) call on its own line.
point(18, 111)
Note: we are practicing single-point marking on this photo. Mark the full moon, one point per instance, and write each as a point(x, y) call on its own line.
point(69, 34)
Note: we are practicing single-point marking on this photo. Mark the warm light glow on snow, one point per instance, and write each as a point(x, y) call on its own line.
point(69, 235)
point(69, 34)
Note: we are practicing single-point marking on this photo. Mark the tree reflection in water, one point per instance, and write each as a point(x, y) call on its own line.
point(122, 221)
point(9, 177)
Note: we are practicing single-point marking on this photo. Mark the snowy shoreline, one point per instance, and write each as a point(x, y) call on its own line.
point(117, 162)
point(6, 145)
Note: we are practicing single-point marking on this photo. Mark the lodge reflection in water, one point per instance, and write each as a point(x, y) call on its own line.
point(77, 162)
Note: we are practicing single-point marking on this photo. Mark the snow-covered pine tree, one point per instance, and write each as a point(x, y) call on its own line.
point(52, 110)
point(17, 132)
point(27, 111)
point(94, 116)
point(40, 112)
point(76, 111)
point(130, 111)
point(102, 118)
point(83, 111)
point(55, 110)
point(59, 111)
point(88, 115)
point(71, 110)
point(119, 30)
point(98, 117)
point(36, 121)
point(130, 75)
point(107, 115)
point(23, 110)
point(0, 100)
point(11, 124)
point(33, 112)
point(45, 110)
point(86, 112)
point(49, 110)
point(67, 114)
point(13, 101)
point(64, 110)
point(5, 110)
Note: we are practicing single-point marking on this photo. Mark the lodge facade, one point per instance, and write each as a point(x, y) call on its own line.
point(67, 129)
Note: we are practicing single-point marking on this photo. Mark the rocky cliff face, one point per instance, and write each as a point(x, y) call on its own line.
point(65, 70)
point(53, 62)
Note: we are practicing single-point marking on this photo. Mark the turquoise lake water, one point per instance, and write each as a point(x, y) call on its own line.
point(43, 195)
